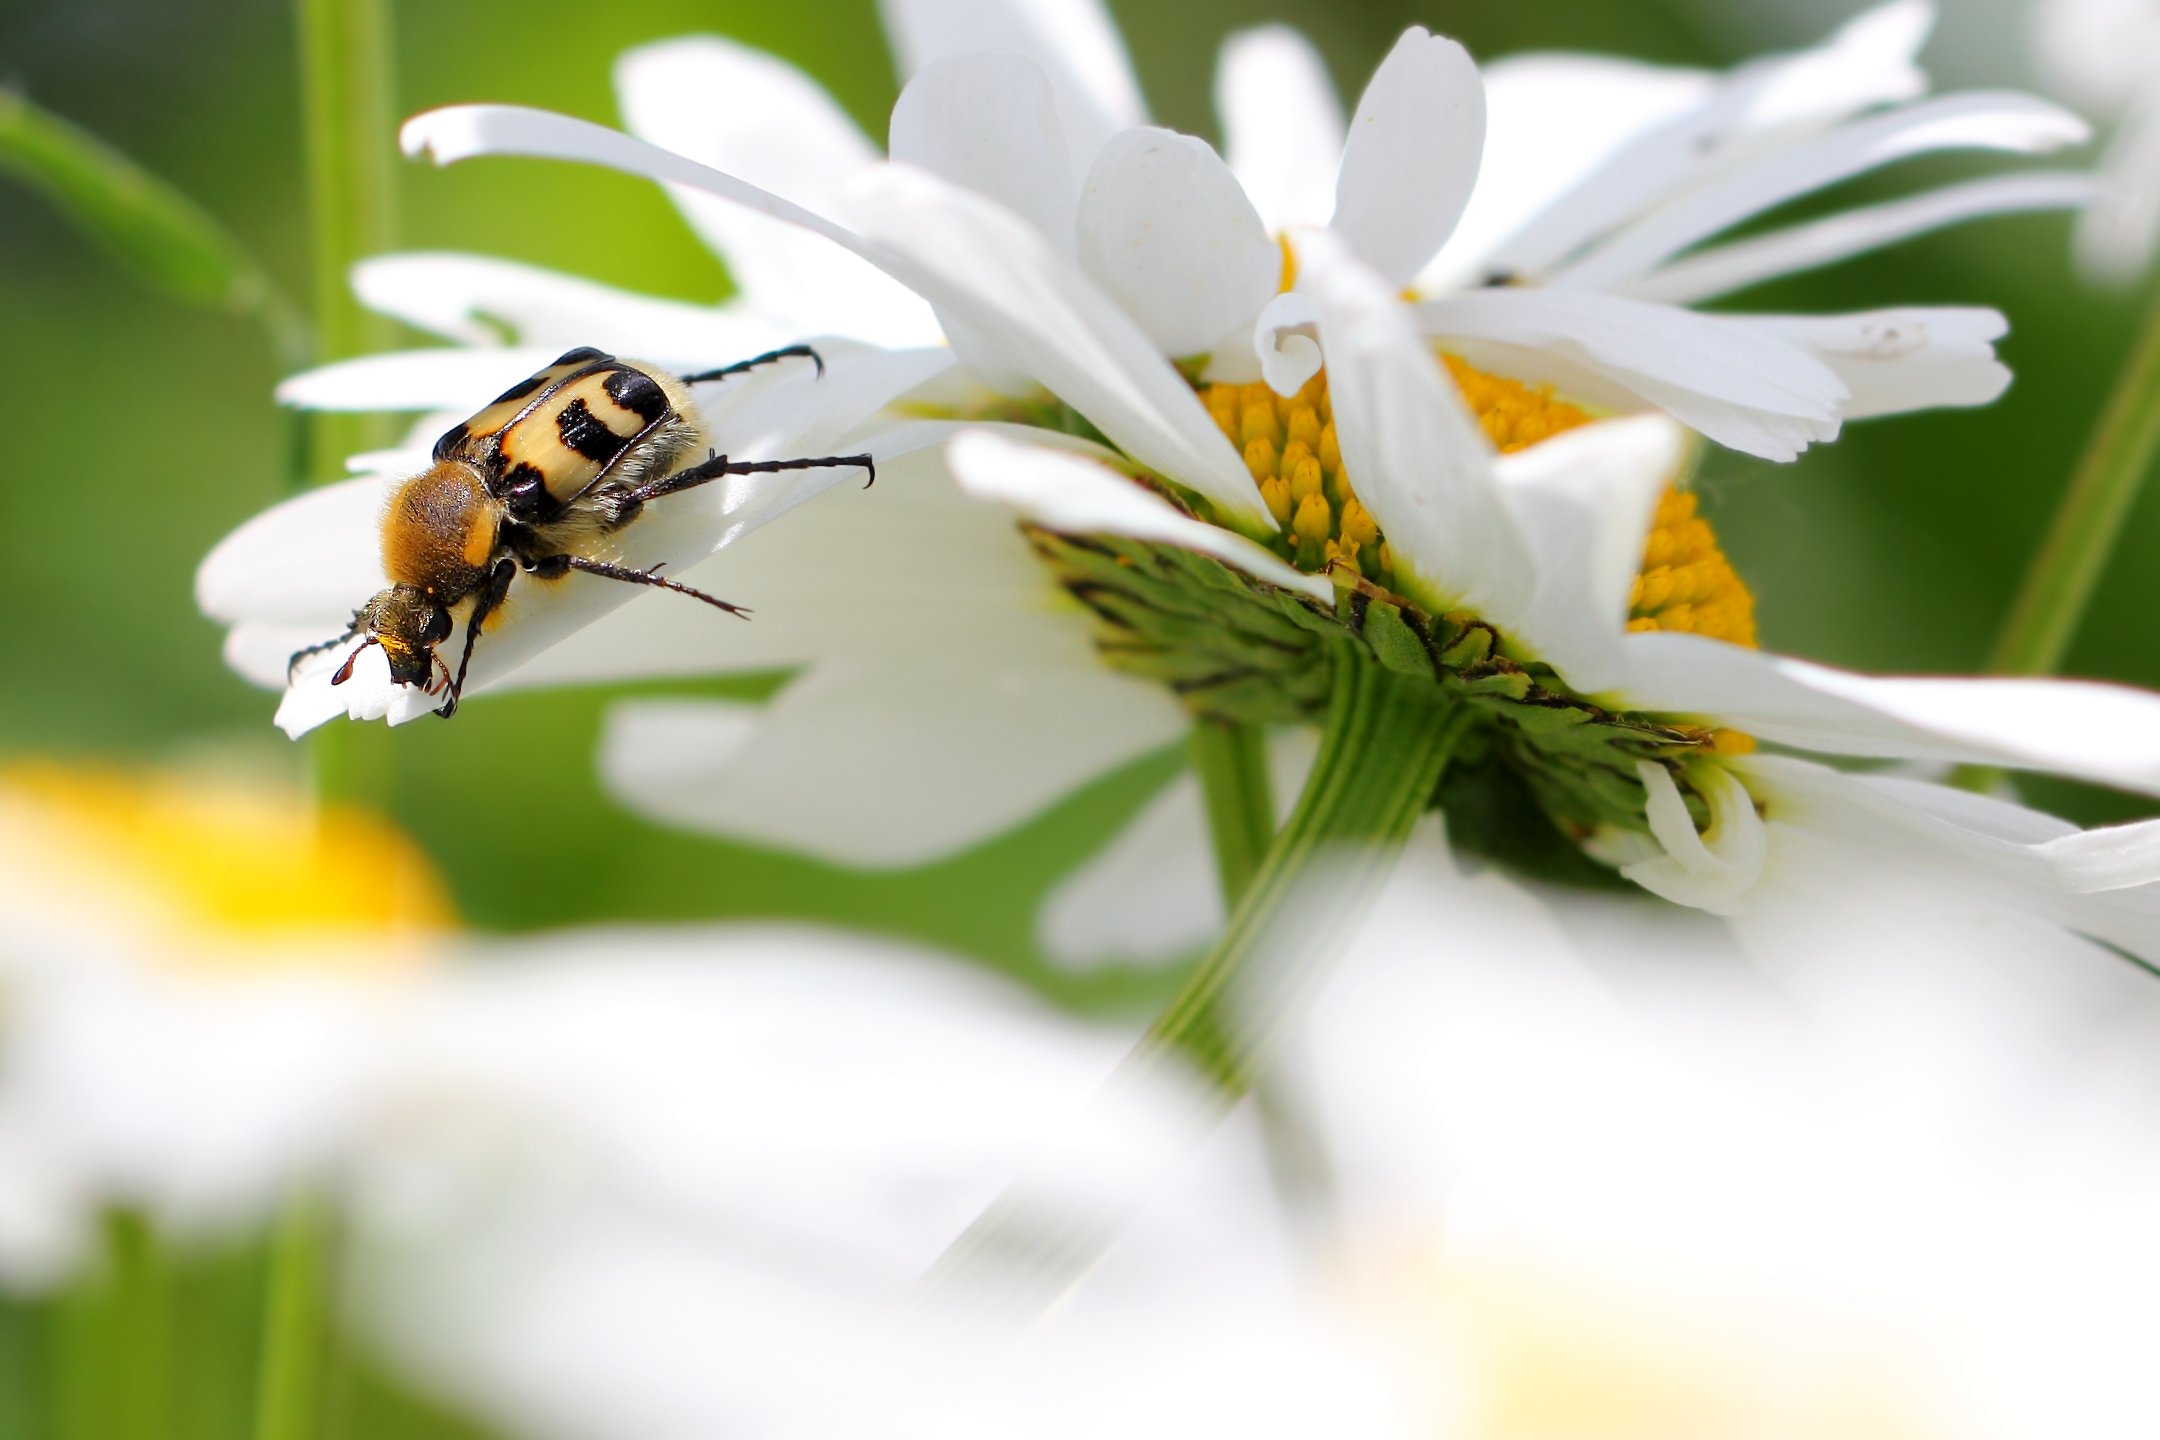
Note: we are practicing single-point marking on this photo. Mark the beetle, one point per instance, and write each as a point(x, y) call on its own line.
point(560, 459)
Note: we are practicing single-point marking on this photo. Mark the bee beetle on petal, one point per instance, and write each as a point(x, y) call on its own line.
point(555, 462)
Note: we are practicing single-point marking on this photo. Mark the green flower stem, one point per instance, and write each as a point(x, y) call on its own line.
point(289, 1383)
point(350, 124)
point(2059, 585)
point(1231, 761)
point(1386, 741)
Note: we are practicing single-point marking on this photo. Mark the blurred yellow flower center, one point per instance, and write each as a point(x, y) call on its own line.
point(1290, 447)
point(233, 869)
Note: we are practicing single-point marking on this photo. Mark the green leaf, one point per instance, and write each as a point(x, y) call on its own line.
point(145, 224)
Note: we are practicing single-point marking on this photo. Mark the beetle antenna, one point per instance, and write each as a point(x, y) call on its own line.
point(344, 671)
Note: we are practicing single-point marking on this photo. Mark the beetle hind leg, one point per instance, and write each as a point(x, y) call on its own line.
point(317, 648)
point(786, 352)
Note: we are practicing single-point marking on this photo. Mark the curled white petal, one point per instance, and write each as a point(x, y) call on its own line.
point(1712, 870)
point(1287, 343)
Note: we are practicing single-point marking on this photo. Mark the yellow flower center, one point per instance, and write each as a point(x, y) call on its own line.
point(1290, 447)
point(217, 871)
point(1686, 583)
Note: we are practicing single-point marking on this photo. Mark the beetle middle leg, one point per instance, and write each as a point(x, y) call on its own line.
point(554, 567)
point(491, 598)
point(621, 509)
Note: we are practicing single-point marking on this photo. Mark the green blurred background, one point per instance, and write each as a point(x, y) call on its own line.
point(142, 431)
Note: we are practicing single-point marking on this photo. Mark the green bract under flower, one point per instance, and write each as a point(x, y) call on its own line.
point(1236, 648)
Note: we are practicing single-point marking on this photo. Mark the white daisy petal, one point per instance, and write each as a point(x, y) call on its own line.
point(1551, 122)
point(1074, 41)
point(2108, 734)
point(882, 764)
point(1166, 231)
point(1866, 62)
point(1742, 385)
point(1711, 870)
point(1898, 361)
point(1723, 269)
point(1584, 501)
point(1411, 160)
point(1078, 496)
point(2114, 858)
point(2018, 124)
point(464, 132)
point(2119, 235)
point(2097, 882)
point(313, 557)
point(480, 301)
point(1423, 467)
point(463, 379)
point(1282, 125)
point(989, 123)
point(994, 274)
point(780, 130)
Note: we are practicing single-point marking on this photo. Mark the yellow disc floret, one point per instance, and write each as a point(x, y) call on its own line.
point(1290, 447)
point(213, 870)
point(1686, 583)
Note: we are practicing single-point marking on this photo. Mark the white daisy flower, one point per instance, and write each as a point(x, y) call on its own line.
point(1567, 588)
point(213, 998)
point(2104, 56)
point(1799, 1227)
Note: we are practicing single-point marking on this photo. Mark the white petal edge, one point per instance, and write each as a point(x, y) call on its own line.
point(1074, 41)
point(479, 300)
point(780, 130)
point(2108, 734)
point(1899, 361)
point(1994, 121)
point(1423, 467)
point(1282, 125)
point(1585, 501)
point(1077, 496)
point(2118, 236)
point(989, 123)
point(883, 763)
point(1722, 269)
point(442, 379)
point(1755, 110)
point(1166, 231)
point(1712, 870)
point(1740, 384)
point(1411, 159)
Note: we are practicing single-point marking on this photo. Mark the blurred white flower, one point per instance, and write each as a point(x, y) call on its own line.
point(2104, 56)
point(211, 999)
point(1591, 1168)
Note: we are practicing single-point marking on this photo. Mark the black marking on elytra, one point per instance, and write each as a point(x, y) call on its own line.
point(524, 490)
point(452, 441)
point(582, 433)
point(583, 355)
point(638, 393)
point(519, 391)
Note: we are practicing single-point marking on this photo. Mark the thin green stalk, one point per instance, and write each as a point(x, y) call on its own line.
point(1386, 741)
point(2052, 600)
point(350, 130)
point(288, 1395)
point(1231, 762)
